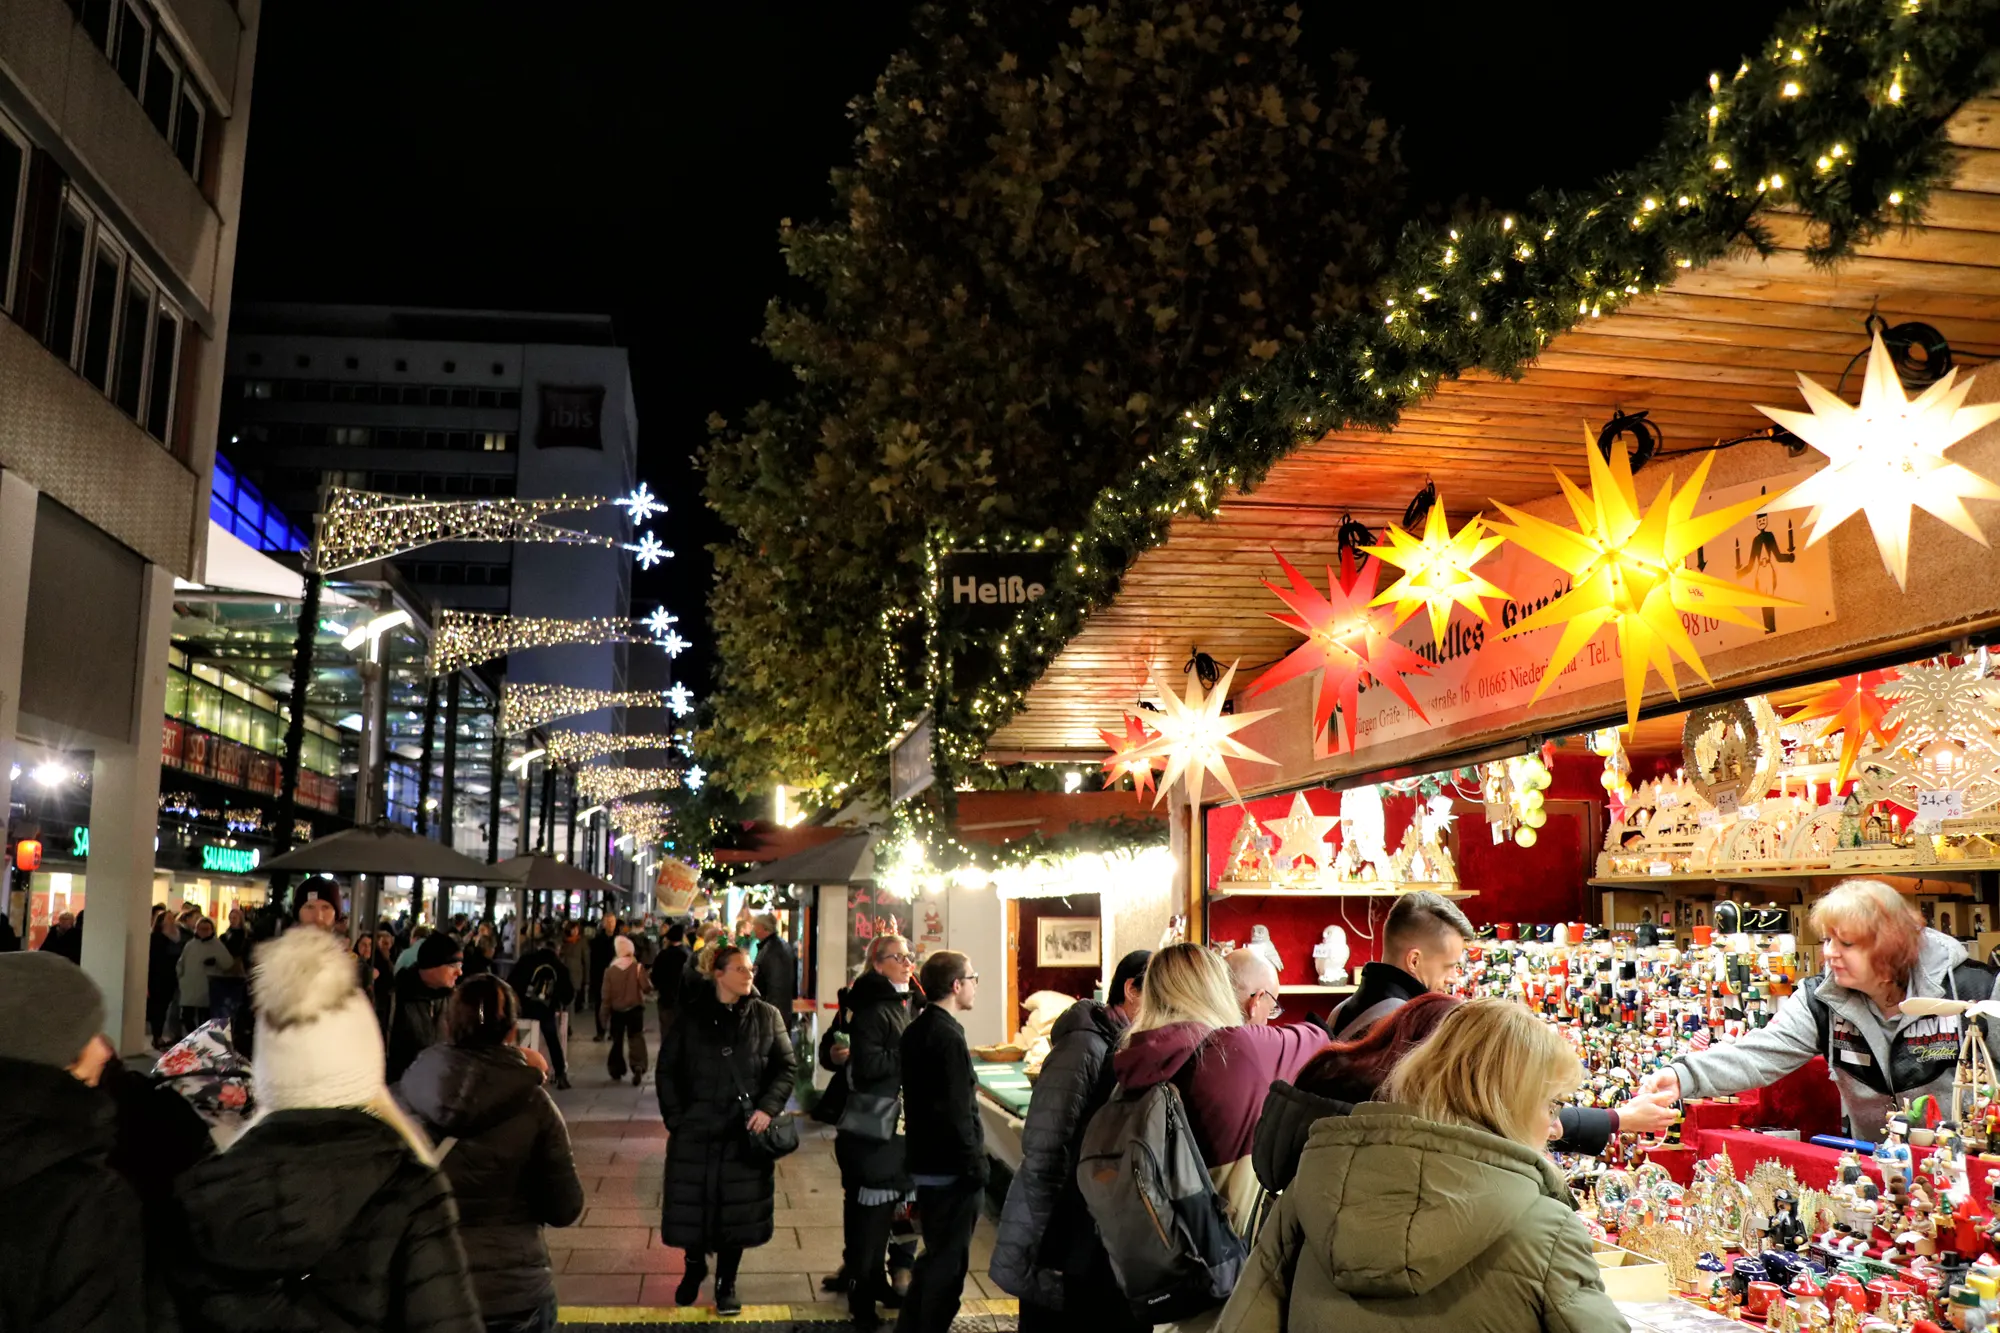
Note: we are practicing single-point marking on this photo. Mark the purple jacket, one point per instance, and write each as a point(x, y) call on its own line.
point(1225, 1090)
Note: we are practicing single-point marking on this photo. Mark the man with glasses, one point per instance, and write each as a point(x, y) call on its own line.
point(947, 1143)
point(1256, 985)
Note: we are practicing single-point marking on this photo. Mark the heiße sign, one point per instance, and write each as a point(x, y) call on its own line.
point(980, 590)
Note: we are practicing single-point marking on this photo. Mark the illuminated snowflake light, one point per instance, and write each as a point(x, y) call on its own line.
point(642, 504)
point(680, 699)
point(661, 621)
point(694, 777)
point(673, 643)
point(648, 550)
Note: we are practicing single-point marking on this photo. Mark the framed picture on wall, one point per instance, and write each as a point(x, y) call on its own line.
point(1068, 941)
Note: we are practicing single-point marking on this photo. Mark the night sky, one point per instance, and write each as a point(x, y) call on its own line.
point(636, 158)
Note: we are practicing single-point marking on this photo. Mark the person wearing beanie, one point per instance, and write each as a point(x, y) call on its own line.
point(328, 1210)
point(316, 902)
point(416, 1009)
point(72, 1245)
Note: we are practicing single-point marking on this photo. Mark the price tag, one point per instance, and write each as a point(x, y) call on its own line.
point(1499, 832)
point(1746, 812)
point(1934, 807)
point(1708, 819)
point(1659, 867)
point(1725, 803)
point(1669, 799)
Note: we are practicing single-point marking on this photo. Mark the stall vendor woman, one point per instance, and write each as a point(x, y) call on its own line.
point(1878, 953)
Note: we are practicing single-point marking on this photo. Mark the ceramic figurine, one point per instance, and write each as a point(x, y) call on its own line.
point(1330, 956)
point(1260, 944)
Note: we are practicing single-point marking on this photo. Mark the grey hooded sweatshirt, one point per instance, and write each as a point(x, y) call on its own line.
point(1876, 1061)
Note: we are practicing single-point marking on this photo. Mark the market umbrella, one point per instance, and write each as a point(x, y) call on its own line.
point(848, 860)
point(535, 871)
point(384, 849)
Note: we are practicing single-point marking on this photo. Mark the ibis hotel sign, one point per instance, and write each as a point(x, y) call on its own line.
point(982, 590)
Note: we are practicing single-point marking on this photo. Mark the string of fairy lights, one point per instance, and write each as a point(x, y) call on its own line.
point(610, 782)
point(581, 747)
point(356, 527)
point(525, 706)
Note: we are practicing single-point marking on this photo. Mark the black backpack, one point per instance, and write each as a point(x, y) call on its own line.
point(541, 987)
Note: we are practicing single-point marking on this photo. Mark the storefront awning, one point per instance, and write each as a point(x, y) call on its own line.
point(846, 860)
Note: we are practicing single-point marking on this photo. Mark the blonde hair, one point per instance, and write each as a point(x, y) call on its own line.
point(1880, 921)
point(1185, 983)
point(1491, 1065)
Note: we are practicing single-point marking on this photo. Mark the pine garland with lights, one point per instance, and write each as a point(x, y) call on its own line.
point(1840, 118)
point(525, 706)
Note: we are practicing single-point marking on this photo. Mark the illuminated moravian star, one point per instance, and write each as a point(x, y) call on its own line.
point(1196, 738)
point(680, 699)
point(641, 504)
point(661, 621)
point(673, 643)
point(648, 550)
point(694, 777)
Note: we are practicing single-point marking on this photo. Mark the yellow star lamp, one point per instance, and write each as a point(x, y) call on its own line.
point(1197, 738)
point(1124, 762)
point(1627, 568)
point(1437, 570)
point(1886, 457)
point(1302, 835)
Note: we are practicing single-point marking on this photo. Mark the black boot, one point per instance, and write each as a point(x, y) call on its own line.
point(690, 1283)
point(725, 1298)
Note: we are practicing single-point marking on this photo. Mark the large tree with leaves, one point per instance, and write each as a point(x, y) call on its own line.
point(1060, 226)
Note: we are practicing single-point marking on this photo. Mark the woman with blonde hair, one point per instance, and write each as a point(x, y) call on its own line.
point(1878, 953)
point(1189, 1030)
point(1439, 1208)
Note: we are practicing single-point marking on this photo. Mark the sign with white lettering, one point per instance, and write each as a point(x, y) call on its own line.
point(229, 860)
point(1478, 673)
point(571, 417)
point(980, 590)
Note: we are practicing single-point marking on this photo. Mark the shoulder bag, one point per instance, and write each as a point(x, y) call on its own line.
point(781, 1137)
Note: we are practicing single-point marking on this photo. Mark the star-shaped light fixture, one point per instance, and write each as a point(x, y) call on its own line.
point(673, 643)
point(1627, 569)
point(694, 777)
point(1851, 707)
point(1302, 833)
point(1346, 637)
point(1886, 457)
point(680, 699)
point(661, 621)
point(641, 504)
point(1437, 569)
point(1196, 737)
point(1123, 763)
point(648, 550)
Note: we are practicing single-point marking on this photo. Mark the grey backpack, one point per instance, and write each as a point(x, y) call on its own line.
point(1164, 1227)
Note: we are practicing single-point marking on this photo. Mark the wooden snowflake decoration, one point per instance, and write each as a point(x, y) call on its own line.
point(1947, 725)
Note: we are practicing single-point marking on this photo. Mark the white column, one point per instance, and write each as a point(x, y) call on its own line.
point(17, 553)
point(832, 964)
point(124, 818)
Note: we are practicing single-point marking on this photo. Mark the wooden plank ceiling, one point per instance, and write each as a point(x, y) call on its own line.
point(1696, 357)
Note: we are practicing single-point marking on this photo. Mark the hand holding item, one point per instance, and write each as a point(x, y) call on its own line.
point(759, 1121)
point(1648, 1113)
point(537, 1060)
point(1663, 1080)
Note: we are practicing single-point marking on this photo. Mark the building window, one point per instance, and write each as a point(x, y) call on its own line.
point(13, 193)
point(65, 298)
point(150, 67)
point(106, 268)
point(128, 51)
point(134, 334)
point(496, 442)
point(163, 90)
point(238, 506)
point(347, 435)
point(166, 361)
point(257, 388)
point(451, 367)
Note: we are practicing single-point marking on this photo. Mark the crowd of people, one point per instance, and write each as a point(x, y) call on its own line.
point(391, 1153)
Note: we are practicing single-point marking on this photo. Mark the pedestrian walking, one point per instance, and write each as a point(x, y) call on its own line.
point(1447, 1209)
point(947, 1143)
point(202, 960)
point(162, 977)
point(726, 1071)
point(416, 1009)
point(327, 1212)
point(670, 976)
point(59, 938)
point(603, 950)
point(543, 984)
point(622, 1005)
point(1047, 1250)
point(777, 968)
point(508, 1160)
point(865, 1045)
point(575, 953)
point(72, 1246)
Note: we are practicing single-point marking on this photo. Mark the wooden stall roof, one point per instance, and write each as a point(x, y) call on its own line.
point(1697, 357)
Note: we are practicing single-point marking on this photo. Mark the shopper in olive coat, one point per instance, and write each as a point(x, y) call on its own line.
point(509, 1162)
point(726, 1070)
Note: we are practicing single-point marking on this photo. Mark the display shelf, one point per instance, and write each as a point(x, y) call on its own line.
point(1358, 889)
point(1315, 988)
point(1945, 870)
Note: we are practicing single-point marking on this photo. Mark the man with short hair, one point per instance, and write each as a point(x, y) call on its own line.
point(316, 902)
point(777, 971)
point(73, 1252)
point(1423, 942)
point(1256, 984)
point(946, 1141)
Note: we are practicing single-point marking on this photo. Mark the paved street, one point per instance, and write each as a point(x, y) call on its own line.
point(611, 1268)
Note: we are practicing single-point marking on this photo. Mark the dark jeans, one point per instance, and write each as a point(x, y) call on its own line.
point(628, 1027)
point(541, 1320)
point(551, 1026)
point(947, 1214)
point(865, 1231)
point(726, 1261)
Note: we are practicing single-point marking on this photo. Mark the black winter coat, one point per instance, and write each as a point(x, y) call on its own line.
point(602, 951)
point(510, 1169)
point(670, 971)
point(72, 1249)
point(543, 961)
point(873, 1013)
point(1046, 1234)
point(1379, 982)
point(777, 976)
point(719, 1189)
point(941, 1099)
point(416, 1020)
point(319, 1220)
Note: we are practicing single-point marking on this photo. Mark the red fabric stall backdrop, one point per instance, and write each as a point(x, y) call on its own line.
point(1078, 981)
point(1520, 884)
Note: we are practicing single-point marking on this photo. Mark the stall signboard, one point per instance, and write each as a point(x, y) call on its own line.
point(988, 590)
point(229, 860)
point(1478, 673)
point(911, 769)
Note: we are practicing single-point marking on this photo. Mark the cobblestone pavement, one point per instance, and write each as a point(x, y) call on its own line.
point(613, 1273)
